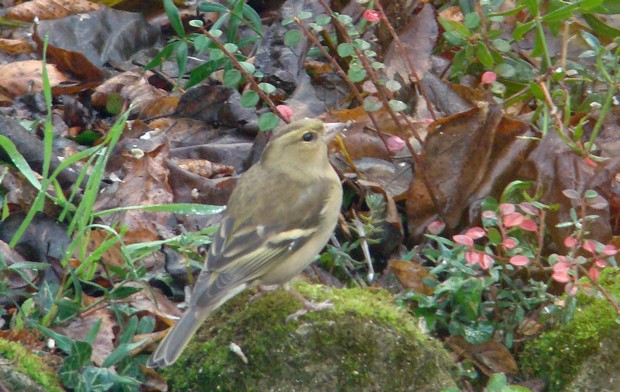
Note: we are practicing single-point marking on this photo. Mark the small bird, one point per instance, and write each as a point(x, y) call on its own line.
point(279, 216)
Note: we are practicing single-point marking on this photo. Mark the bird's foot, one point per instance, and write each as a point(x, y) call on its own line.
point(309, 306)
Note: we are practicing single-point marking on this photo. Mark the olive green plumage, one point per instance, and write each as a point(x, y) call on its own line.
point(279, 217)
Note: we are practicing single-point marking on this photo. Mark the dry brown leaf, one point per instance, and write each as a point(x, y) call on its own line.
point(15, 46)
point(456, 159)
point(132, 87)
point(490, 357)
point(204, 168)
point(50, 9)
point(410, 275)
point(22, 77)
point(145, 183)
point(418, 38)
point(81, 326)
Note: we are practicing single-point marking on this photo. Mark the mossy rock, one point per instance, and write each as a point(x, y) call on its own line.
point(21, 370)
point(585, 354)
point(365, 343)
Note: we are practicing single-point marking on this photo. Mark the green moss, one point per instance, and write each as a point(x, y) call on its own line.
point(363, 343)
point(29, 364)
point(557, 355)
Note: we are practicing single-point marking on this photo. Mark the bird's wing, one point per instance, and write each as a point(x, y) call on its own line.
point(246, 245)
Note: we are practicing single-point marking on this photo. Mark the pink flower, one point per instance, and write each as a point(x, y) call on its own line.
point(560, 271)
point(589, 246)
point(594, 273)
point(513, 219)
point(506, 208)
point(519, 260)
point(610, 250)
point(395, 144)
point(476, 232)
point(436, 227)
point(570, 242)
point(488, 77)
point(285, 111)
point(463, 240)
point(372, 16)
point(509, 243)
point(528, 225)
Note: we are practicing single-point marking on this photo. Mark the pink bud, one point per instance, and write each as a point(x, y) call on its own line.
point(372, 16)
point(594, 273)
point(506, 208)
point(590, 247)
point(395, 144)
point(590, 162)
point(485, 261)
point(513, 219)
point(600, 263)
point(285, 111)
point(476, 232)
point(519, 260)
point(509, 243)
point(436, 227)
point(610, 250)
point(570, 242)
point(528, 225)
point(463, 240)
point(488, 77)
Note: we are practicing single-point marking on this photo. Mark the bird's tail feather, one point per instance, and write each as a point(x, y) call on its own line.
point(175, 341)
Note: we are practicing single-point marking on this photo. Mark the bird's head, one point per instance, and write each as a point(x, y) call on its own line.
point(301, 145)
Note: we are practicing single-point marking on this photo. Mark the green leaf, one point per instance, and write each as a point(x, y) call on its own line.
point(505, 70)
point(232, 78)
point(455, 28)
point(372, 104)
point(472, 21)
point(268, 121)
point(175, 19)
point(212, 7)
point(249, 99)
point(600, 27)
point(231, 48)
point(484, 55)
point(356, 73)
point(123, 291)
point(247, 67)
point(292, 38)
point(304, 15)
point(397, 106)
point(268, 88)
point(323, 20)
point(160, 57)
point(522, 29)
point(392, 85)
point(345, 50)
point(202, 72)
point(181, 54)
point(591, 40)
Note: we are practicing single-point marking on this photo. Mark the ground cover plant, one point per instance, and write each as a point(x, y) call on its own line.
point(480, 166)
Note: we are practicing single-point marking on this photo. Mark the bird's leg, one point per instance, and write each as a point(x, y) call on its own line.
point(264, 289)
point(309, 306)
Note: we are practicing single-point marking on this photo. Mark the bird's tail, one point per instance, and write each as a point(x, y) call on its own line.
point(175, 341)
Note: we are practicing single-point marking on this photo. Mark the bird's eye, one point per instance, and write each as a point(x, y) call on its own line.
point(308, 137)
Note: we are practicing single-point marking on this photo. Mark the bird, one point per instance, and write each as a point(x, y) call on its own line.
point(280, 215)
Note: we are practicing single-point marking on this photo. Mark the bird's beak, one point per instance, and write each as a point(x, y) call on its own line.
point(334, 129)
